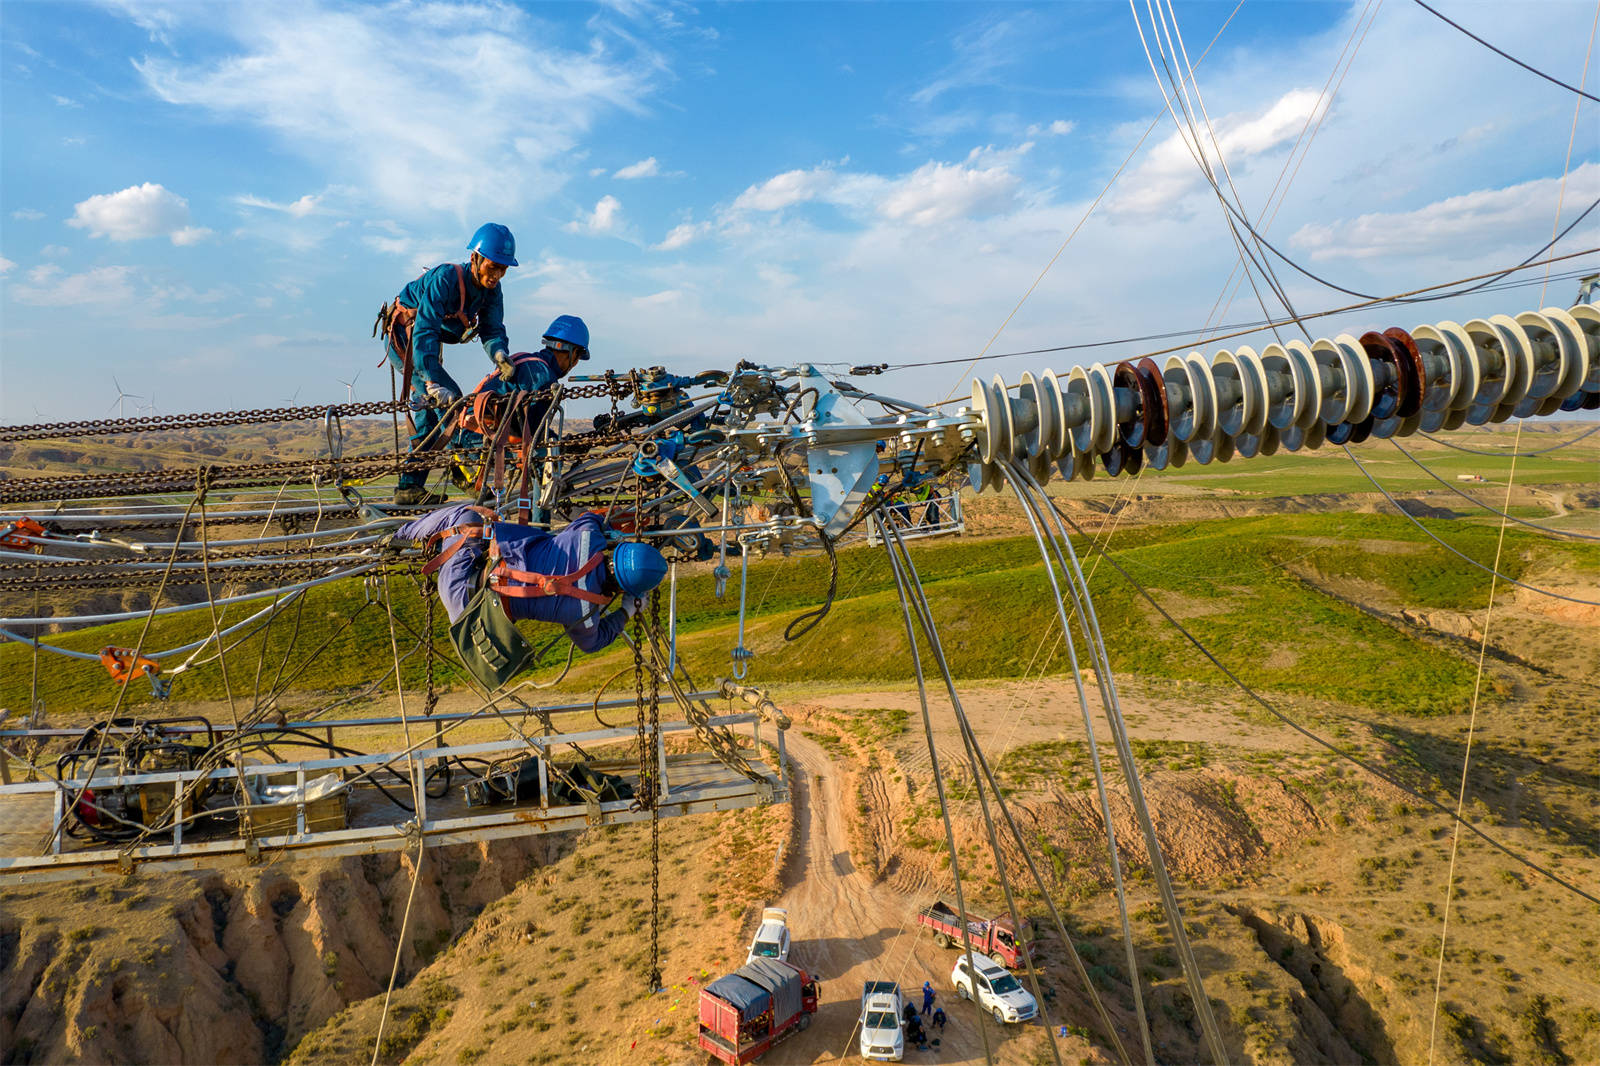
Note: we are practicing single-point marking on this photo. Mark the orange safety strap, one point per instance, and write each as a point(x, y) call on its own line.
point(124, 666)
point(467, 533)
point(542, 584)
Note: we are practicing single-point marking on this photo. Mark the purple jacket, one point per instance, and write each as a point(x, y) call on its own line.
point(533, 550)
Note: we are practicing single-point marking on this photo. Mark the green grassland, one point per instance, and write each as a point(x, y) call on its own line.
point(1329, 470)
point(1229, 580)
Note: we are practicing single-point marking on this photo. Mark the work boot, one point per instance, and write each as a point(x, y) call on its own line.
point(417, 496)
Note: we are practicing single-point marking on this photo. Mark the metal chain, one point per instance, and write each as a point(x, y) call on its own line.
point(247, 475)
point(655, 809)
point(197, 420)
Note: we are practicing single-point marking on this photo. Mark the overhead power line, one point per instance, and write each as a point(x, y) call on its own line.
point(1504, 54)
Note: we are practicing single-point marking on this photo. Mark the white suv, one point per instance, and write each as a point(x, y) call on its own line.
point(772, 939)
point(999, 993)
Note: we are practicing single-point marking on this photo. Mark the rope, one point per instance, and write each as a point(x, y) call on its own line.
point(1466, 761)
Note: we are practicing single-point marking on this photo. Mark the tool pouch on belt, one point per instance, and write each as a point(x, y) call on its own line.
point(488, 642)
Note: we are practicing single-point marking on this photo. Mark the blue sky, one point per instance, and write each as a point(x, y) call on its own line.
point(208, 201)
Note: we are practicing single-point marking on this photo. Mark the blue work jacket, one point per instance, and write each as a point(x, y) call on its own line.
point(437, 299)
point(533, 550)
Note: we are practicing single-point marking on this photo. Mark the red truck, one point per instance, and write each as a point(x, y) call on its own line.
point(993, 937)
point(751, 1009)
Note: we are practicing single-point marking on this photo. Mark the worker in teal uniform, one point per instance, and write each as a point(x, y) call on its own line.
point(450, 304)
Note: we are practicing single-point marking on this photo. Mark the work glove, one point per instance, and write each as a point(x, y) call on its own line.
point(505, 368)
point(630, 605)
point(442, 394)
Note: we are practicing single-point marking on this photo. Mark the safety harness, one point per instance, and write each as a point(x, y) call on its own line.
point(395, 320)
point(490, 646)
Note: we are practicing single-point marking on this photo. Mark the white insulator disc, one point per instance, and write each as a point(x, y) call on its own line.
point(1169, 454)
point(1454, 418)
point(1574, 351)
point(1217, 448)
point(1247, 445)
point(1358, 376)
point(1231, 413)
point(1494, 364)
point(1056, 441)
point(989, 427)
point(1270, 439)
point(1202, 395)
point(1105, 429)
point(1518, 347)
point(1180, 398)
point(1587, 317)
point(1225, 449)
point(1307, 384)
point(1076, 466)
point(975, 476)
point(1084, 432)
point(1034, 441)
point(1282, 402)
point(1434, 345)
point(1549, 366)
point(1335, 382)
point(1000, 401)
point(1409, 425)
point(1254, 375)
point(1469, 365)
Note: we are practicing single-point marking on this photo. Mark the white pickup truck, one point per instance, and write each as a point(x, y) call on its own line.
point(881, 1036)
point(772, 938)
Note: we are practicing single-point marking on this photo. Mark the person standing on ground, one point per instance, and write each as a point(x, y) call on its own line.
point(450, 304)
point(927, 996)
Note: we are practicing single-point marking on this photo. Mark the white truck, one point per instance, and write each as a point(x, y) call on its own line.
point(882, 1039)
point(772, 938)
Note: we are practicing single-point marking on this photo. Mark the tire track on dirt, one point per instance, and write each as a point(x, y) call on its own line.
point(848, 928)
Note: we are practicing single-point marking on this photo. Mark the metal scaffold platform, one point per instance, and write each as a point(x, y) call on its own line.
point(346, 805)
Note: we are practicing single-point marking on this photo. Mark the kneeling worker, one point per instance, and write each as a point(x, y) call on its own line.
point(493, 573)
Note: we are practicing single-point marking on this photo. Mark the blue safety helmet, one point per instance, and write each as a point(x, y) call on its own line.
point(637, 567)
point(494, 242)
point(570, 328)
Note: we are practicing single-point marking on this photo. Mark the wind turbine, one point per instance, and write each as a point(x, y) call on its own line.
point(295, 397)
point(350, 387)
point(119, 402)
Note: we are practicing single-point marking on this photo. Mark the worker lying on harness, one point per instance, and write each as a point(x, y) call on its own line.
point(450, 304)
point(492, 573)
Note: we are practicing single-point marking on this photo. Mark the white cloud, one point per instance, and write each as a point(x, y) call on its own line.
point(786, 189)
point(935, 192)
point(644, 168)
point(595, 172)
point(940, 192)
point(55, 251)
point(64, 101)
point(1482, 220)
point(394, 100)
point(682, 234)
point(137, 212)
point(48, 286)
point(1169, 170)
point(6, 265)
point(306, 205)
point(1059, 128)
point(27, 214)
point(606, 218)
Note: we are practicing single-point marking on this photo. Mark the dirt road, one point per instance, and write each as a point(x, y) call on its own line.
point(874, 934)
